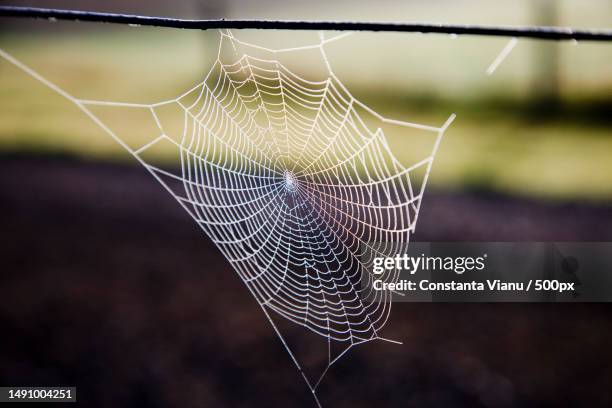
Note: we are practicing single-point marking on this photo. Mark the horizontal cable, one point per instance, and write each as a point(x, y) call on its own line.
point(542, 33)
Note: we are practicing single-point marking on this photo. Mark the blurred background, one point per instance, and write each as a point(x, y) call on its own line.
point(537, 127)
point(106, 284)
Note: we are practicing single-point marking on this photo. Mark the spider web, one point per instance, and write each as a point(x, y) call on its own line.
point(293, 179)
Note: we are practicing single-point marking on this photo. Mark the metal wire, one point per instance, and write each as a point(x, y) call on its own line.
point(542, 33)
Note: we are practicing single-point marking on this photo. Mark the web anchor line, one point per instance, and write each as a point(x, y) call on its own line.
point(541, 33)
point(502, 56)
point(292, 178)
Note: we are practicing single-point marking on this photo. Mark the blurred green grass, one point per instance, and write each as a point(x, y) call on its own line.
point(501, 140)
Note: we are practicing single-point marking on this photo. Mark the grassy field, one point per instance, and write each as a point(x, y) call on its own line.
point(501, 141)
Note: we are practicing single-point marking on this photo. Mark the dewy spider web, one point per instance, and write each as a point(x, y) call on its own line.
point(292, 178)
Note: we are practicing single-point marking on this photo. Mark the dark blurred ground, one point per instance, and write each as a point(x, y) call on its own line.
point(108, 285)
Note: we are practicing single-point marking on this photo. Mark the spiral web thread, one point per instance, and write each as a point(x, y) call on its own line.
point(293, 180)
